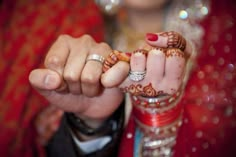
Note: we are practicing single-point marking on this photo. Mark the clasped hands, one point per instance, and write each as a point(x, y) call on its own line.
point(80, 85)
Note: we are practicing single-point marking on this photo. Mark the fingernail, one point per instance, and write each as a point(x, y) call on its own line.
point(156, 51)
point(50, 81)
point(128, 53)
point(138, 54)
point(152, 37)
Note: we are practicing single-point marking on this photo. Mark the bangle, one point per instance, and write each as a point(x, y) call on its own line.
point(108, 127)
point(158, 115)
point(158, 104)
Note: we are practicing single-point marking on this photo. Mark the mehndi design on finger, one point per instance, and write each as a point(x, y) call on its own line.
point(114, 57)
point(143, 51)
point(175, 40)
point(176, 45)
point(172, 52)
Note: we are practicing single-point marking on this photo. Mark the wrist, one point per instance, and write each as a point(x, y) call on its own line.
point(91, 122)
point(86, 128)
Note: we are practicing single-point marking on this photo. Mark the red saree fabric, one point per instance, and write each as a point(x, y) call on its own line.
point(27, 30)
point(209, 122)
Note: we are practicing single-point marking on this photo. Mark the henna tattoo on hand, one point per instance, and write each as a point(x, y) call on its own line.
point(176, 45)
point(175, 40)
point(143, 51)
point(172, 52)
point(139, 90)
point(113, 58)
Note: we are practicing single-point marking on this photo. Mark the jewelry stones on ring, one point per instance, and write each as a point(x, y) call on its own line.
point(95, 57)
point(137, 75)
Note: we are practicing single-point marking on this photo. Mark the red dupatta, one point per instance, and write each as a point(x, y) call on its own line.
point(27, 30)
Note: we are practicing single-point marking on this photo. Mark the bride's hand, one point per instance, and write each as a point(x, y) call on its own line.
point(158, 68)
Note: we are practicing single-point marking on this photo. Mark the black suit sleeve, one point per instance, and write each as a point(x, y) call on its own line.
point(62, 144)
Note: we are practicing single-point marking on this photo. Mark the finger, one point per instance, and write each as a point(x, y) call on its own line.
point(155, 65)
point(169, 40)
point(57, 55)
point(91, 74)
point(44, 80)
point(90, 80)
point(115, 75)
point(114, 57)
point(155, 40)
point(76, 61)
point(138, 61)
point(138, 65)
point(174, 70)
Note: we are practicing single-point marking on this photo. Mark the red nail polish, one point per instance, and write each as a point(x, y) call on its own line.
point(152, 37)
point(128, 53)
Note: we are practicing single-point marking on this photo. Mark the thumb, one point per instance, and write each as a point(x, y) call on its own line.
point(169, 39)
point(156, 40)
point(44, 80)
point(115, 75)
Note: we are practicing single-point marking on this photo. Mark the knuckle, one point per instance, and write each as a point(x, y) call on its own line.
point(87, 38)
point(89, 79)
point(84, 40)
point(53, 61)
point(63, 37)
point(70, 76)
point(104, 45)
point(102, 49)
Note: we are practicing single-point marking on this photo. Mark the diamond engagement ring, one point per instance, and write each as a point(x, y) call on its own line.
point(95, 57)
point(137, 75)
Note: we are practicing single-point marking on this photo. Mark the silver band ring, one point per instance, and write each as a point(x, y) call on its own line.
point(95, 57)
point(137, 75)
